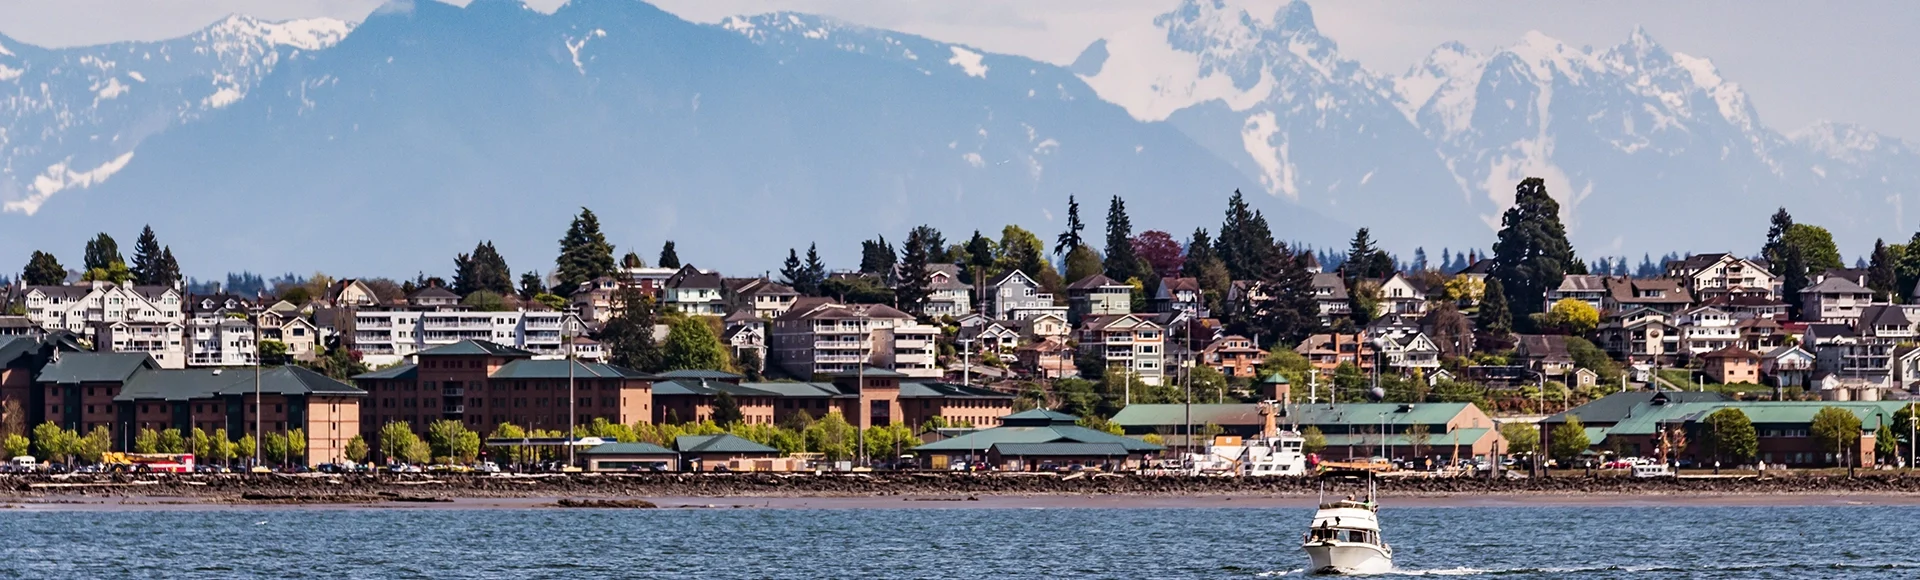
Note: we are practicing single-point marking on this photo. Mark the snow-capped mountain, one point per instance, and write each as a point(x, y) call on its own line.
point(71, 118)
point(432, 126)
point(1632, 138)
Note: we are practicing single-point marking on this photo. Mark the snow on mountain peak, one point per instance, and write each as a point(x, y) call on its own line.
point(303, 34)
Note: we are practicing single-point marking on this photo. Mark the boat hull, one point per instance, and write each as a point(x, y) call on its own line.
point(1347, 558)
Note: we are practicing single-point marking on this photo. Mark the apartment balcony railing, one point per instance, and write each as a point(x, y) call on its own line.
point(455, 409)
point(843, 344)
point(453, 392)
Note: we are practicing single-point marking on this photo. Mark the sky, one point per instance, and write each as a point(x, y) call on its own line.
point(1800, 62)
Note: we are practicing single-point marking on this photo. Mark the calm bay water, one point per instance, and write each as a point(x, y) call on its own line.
point(1558, 542)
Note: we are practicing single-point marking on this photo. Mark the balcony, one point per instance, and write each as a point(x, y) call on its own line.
point(837, 358)
point(842, 344)
point(453, 392)
point(455, 409)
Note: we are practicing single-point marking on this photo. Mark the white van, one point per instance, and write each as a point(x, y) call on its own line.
point(24, 463)
point(1651, 470)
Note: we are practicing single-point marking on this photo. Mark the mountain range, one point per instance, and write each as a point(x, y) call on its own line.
point(387, 146)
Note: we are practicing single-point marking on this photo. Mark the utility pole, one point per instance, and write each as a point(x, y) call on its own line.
point(1313, 386)
point(966, 361)
point(566, 335)
point(258, 409)
point(860, 384)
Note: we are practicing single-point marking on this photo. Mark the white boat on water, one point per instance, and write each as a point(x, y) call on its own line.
point(1345, 538)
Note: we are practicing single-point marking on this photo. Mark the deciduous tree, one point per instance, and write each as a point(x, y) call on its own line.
point(692, 344)
point(1836, 430)
point(1731, 435)
point(102, 253)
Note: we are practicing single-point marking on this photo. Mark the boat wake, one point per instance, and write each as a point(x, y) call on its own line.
point(1566, 570)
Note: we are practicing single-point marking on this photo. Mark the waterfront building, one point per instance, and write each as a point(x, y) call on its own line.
point(1352, 430)
point(1030, 439)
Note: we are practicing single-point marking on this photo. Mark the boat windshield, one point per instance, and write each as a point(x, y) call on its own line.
point(1343, 535)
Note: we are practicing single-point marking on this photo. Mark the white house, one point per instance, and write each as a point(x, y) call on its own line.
point(78, 308)
point(1706, 329)
point(692, 291)
point(1016, 296)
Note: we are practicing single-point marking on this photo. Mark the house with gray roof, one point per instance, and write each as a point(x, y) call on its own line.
point(1016, 296)
point(694, 291)
point(1015, 444)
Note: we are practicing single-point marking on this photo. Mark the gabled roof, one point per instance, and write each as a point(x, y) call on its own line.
point(698, 374)
point(1337, 288)
point(1551, 347)
point(723, 443)
point(1014, 276)
point(1094, 282)
point(1171, 285)
point(476, 347)
point(188, 384)
point(1583, 283)
point(690, 277)
point(396, 372)
point(1836, 285)
point(289, 380)
point(95, 367)
point(1787, 350)
point(948, 391)
point(1619, 406)
point(1041, 416)
point(432, 292)
point(816, 308)
point(1884, 315)
point(985, 439)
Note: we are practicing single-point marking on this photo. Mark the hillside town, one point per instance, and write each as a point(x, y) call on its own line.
point(993, 352)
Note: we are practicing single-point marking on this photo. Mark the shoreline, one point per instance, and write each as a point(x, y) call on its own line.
point(95, 503)
point(921, 490)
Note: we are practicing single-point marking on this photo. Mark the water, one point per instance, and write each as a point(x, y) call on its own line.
point(1558, 542)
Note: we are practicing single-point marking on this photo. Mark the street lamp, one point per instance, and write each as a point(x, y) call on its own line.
point(566, 336)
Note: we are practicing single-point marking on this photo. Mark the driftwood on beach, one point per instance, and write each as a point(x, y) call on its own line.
point(314, 488)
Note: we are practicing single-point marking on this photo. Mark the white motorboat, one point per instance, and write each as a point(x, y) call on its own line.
point(1345, 538)
point(1273, 453)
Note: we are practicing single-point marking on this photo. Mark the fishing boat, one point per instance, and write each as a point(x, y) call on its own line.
point(1345, 536)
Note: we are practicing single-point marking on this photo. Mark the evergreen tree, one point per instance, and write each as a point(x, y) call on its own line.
point(1494, 317)
point(1071, 238)
point(1199, 253)
point(482, 270)
point(166, 272)
point(1446, 262)
point(1881, 275)
point(102, 253)
point(1647, 269)
point(1776, 235)
point(1419, 259)
point(531, 285)
point(584, 254)
point(43, 270)
point(816, 271)
point(146, 257)
point(1121, 262)
point(668, 257)
point(1365, 260)
point(726, 411)
point(628, 335)
point(979, 259)
point(1246, 244)
point(877, 257)
point(915, 285)
point(1907, 268)
point(1288, 313)
point(793, 273)
point(1532, 254)
point(632, 261)
point(1793, 278)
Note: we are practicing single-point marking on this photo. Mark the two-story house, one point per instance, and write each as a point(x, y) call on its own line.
point(1016, 296)
point(1127, 342)
point(1330, 293)
point(1098, 295)
point(282, 322)
point(948, 296)
point(1326, 352)
point(1402, 294)
point(1180, 295)
point(1662, 294)
point(766, 298)
point(594, 300)
point(1590, 289)
point(697, 292)
point(1233, 355)
point(1714, 275)
point(1834, 300)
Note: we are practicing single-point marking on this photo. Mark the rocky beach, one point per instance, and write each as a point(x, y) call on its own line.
point(867, 489)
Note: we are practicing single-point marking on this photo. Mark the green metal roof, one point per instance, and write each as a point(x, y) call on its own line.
point(804, 390)
point(1039, 417)
point(95, 367)
point(475, 347)
point(723, 443)
point(187, 384)
point(1275, 378)
point(698, 374)
point(1871, 413)
point(1619, 406)
point(557, 369)
point(1061, 449)
point(871, 372)
point(948, 391)
point(984, 439)
point(628, 449)
point(400, 372)
point(14, 347)
point(1204, 414)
